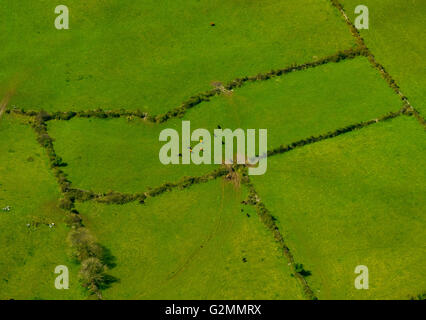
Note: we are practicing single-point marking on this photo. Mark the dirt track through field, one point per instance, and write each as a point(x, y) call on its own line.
point(4, 102)
point(212, 234)
point(191, 257)
point(226, 90)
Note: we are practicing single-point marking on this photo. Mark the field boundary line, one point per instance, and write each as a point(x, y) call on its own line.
point(119, 198)
point(197, 99)
point(71, 195)
point(269, 222)
point(114, 197)
point(357, 126)
point(372, 59)
point(93, 258)
point(84, 244)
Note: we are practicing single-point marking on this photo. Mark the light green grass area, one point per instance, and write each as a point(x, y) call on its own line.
point(153, 55)
point(396, 37)
point(303, 103)
point(117, 155)
point(123, 156)
point(190, 244)
point(354, 200)
point(29, 255)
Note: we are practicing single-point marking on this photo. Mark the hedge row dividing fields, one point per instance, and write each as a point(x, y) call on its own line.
point(96, 262)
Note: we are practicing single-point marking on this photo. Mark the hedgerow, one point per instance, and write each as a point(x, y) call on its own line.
point(194, 100)
point(269, 221)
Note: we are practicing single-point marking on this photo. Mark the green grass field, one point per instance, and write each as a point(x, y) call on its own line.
point(394, 36)
point(119, 155)
point(152, 56)
point(302, 104)
point(116, 155)
point(340, 197)
point(29, 255)
point(355, 200)
point(191, 244)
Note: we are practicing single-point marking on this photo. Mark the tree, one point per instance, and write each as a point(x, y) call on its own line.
point(83, 244)
point(92, 274)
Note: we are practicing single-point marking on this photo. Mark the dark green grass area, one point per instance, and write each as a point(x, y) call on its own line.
point(354, 200)
point(197, 243)
point(29, 255)
point(153, 55)
point(122, 155)
point(396, 37)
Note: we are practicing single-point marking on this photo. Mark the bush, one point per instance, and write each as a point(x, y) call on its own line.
point(118, 198)
point(58, 162)
point(83, 244)
point(43, 116)
point(66, 203)
point(300, 270)
point(92, 274)
point(75, 220)
point(44, 139)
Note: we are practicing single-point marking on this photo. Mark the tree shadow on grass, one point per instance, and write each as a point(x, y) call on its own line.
point(299, 268)
point(109, 260)
point(107, 281)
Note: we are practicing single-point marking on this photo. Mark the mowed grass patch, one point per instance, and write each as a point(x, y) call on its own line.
point(153, 55)
point(396, 38)
point(115, 154)
point(121, 155)
point(196, 243)
point(357, 199)
point(29, 255)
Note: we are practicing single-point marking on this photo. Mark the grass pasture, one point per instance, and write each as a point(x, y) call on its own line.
point(354, 200)
point(29, 255)
point(190, 244)
point(117, 155)
point(152, 56)
point(395, 38)
point(123, 156)
point(302, 104)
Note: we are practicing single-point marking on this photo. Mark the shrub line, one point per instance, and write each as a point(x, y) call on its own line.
point(239, 82)
point(92, 257)
point(417, 115)
point(335, 133)
point(270, 223)
point(193, 101)
point(113, 197)
point(371, 58)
